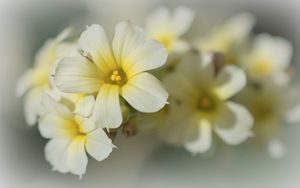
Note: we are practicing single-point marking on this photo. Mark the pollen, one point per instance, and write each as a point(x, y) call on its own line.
point(115, 76)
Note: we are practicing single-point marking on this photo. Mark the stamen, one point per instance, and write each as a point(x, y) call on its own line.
point(115, 76)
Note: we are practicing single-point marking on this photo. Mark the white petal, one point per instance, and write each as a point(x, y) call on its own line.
point(145, 93)
point(33, 106)
point(93, 42)
point(127, 38)
point(279, 50)
point(107, 110)
point(182, 20)
point(234, 123)
point(76, 75)
point(53, 107)
point(67, 155)
point(86, 125)
point(229, 82)
point(181, 46)
point(160, 18)
point(84, 107)
point(55, 154)
point(25, 82)
point(181, 87)
point(52, 125)
point(204, 140)
point(239, 26)
point(98, 145)
point(64, 34)
point(133, 52)
point(147, 56)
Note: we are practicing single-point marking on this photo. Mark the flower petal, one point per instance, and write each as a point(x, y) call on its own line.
point(93, 42)
point(145, 93)
point(51, 126)
point(229, 82)
point(107, 110)
point(181, 46)
point(98, 144)
point(204, 140)
point(134, 52)
point(25, 83)
point(52, 107)
point(84, 107)
point(127, 37)
point(32, 105)
point(76, 75)
point(67, 155)
point(160, 18)
point(234, 123)
point(85, 125)
point(182, 20)
point(187, 92)
point(148, 56)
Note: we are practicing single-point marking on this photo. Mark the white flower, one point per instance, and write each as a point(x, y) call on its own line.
point(168, 28)
point(269, 59)
point(203, 104)
point(228, 37)
point(35, 81)
point(72, 135)
point(115, 70)
point(271, 106)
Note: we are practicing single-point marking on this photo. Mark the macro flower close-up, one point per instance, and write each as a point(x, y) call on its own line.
point(113, 71)
point(150, 93)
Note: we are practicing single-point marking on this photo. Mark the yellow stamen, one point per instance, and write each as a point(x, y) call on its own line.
point(115, 76)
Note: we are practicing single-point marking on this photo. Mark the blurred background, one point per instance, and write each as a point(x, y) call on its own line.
point(139, 161)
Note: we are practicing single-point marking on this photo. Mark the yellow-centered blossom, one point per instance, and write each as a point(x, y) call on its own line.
point(114, 70)
point(271, 106)
point(168, 27)
point(35, 82)
point(228, 37)
point(269, 59)
point(203, 104)
point(71, 135)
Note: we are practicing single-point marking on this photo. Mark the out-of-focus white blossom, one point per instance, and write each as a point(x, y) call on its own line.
point(203, 104)
point(71, 135)
point(272, 107)
point(228, 37)
point(35, 82)
point(168, 27)
point(269, 59)
point(115, 70)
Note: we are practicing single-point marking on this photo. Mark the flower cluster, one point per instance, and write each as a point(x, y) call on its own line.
point(82, 90)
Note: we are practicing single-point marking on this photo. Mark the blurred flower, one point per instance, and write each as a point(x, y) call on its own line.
point(167, 27)
point(269, 59)
point(271, 105)
point(71, 135)
point(35, 81)
point(113, 70)
point(228, 37)
point(203, 105)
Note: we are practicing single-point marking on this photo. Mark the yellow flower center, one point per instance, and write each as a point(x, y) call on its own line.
point(207, 103)
point(263, 110)
point(117, 77)
point(166, 40)
point(261, 68)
